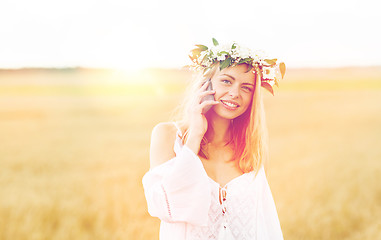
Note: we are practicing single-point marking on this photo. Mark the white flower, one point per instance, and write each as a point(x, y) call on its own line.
point(268, 73)
point(216, 50)
point(262, 62)
point(221, 57)
point(226, 47)
point(243, 52)
point(235, 54)
point(207, 62)
point(255, 56)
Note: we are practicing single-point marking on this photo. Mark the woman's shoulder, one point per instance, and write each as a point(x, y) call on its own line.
point(167, 129)
point(162, 143)
point(164, 129)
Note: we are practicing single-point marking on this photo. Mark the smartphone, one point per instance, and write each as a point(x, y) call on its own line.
point(208, 97)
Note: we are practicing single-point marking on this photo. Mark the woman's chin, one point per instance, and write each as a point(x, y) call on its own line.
point(223, 112)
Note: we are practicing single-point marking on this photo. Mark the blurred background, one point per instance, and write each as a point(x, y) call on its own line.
point(82, 84)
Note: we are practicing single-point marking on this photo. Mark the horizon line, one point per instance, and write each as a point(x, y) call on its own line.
point(164, 68)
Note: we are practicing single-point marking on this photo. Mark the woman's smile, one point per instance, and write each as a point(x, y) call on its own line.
point(230, 105)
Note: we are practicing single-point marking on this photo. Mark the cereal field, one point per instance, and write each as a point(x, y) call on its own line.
point(74, 147)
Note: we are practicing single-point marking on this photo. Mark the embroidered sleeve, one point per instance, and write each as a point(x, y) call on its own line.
point(268, 215)
point(179, 190)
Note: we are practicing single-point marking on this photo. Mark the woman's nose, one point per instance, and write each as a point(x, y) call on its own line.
point(234, 92)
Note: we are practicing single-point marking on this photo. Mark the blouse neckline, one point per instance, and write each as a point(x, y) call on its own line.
point(179, 133)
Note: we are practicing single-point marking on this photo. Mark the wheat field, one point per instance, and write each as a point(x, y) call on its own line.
point(74, 147)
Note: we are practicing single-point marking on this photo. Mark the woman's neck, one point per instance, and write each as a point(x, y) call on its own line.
point(221, 130)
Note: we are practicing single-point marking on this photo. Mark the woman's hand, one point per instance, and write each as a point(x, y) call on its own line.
point(198, 123)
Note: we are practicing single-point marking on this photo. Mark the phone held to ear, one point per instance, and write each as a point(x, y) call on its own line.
point(208, 97)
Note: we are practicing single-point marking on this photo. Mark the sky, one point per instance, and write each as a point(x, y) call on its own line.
point(131, 35)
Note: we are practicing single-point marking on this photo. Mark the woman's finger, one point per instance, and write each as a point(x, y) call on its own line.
point(205, 94)
point(204, 86)
point(207, 104)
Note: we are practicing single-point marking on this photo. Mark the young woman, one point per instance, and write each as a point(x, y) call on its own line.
point(207, 179)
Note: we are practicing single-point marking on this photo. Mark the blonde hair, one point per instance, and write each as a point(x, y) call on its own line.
point(249, 130)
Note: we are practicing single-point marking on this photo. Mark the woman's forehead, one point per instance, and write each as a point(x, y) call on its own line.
point(239, 72)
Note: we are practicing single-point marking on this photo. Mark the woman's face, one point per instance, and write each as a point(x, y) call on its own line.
point(234, 88)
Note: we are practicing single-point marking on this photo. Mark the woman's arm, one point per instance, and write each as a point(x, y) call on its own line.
point(162, 141)
point(176, 186)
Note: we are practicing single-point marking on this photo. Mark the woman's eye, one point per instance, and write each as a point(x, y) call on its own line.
point(225, 81)
point(247, 89)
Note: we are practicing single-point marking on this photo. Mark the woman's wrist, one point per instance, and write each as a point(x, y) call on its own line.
point(193, 142)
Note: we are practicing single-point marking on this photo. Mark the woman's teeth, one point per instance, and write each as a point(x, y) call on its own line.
point(230, 104)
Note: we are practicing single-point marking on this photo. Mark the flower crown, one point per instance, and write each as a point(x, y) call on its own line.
point(227, 55)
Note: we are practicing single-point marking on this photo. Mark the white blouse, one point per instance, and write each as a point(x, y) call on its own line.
point(192, 206)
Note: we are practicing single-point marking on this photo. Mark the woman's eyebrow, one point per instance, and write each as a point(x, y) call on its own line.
point(234, 79)
point(229, 76)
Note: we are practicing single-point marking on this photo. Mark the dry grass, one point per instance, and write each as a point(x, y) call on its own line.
point(74, 147)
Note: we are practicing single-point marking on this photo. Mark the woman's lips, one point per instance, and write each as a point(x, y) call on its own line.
point(229, 104)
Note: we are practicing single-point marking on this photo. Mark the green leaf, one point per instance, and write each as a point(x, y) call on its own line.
point(215, 42)
point(282, 68)
point(234, 46)
point(244, 60)
point(225, 63)
point(196, 52)
point(271, 61)
point(223, 52)
point(268, 87)
point(202, 47)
